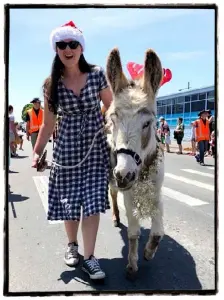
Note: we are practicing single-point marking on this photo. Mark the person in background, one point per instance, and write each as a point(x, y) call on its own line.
point(165, 133)
point(193, 142)
point(20, 135)
point(12, 132)
point(211, 120)
point(34, 120)
point(179, 134)
point(202, 134)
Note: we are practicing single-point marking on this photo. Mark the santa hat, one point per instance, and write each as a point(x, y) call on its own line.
point(67, 31)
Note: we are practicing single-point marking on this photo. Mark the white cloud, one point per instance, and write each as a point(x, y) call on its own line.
point(185, 55)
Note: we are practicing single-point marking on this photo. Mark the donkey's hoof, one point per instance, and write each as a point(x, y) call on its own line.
point(117, 223)
point(149, 254)
point(131, 273)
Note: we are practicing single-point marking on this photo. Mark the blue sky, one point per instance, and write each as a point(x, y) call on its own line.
point(183, 38)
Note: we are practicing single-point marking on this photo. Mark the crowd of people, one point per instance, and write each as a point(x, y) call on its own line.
point(202, 135)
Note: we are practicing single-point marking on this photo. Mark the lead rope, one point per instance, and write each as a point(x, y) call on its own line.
point(84, 159)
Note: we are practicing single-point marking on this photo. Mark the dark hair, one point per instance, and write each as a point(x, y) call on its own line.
point(10, 108)
point(181, 119)
point(50, 86)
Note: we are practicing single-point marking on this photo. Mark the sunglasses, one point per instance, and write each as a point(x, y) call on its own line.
point(72, 45)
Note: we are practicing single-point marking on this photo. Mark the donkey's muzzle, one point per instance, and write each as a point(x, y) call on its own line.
point(124, 182)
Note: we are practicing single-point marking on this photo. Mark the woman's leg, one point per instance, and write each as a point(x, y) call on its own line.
point(71, 255)
point(89, 232)
point(71, 228)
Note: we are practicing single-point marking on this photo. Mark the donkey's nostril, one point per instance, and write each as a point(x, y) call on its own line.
point(128, 176)
point(118, 175)
point(133, 176)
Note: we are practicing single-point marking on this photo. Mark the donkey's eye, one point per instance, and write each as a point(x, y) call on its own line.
point(146, 125)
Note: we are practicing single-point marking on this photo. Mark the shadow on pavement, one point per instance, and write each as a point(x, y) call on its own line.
point(173, 268)
point(13, 172)
point(12, 198)
point(15, 197)
point(20, 156)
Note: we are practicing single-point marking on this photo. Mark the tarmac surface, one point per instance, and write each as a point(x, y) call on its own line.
point(185, 259)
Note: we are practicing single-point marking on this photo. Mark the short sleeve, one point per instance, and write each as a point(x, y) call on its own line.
point(103, 80)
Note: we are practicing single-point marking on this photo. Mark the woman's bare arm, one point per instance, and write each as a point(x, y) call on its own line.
point(106, 97)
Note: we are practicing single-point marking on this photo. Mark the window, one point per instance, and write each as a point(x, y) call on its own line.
point(164, 102)
point(202, 96)
point(187, 98)
point(168, 109)
point(178, 108)
point(187, 107)
point(211, 94)
point(180, 99)
point(159, 110)
point(168, 101)
point(211, 104)
point(198, 105)
point(173, 101)
point(159, 103)
point(194, 97)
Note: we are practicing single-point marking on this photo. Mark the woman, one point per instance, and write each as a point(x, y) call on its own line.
point(165, 133)
point(76, 87)
point(179, 134)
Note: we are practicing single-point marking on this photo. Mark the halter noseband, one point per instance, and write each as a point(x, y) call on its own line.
point(133, 154)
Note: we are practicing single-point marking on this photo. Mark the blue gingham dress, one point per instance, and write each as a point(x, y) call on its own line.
point(85, 186)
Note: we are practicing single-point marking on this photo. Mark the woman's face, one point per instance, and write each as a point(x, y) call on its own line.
point(70, 54)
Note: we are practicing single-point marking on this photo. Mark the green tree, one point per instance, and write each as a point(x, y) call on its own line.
point(25, 109)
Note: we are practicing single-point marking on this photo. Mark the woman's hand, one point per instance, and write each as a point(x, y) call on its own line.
point(39, 163)
point(35, 161)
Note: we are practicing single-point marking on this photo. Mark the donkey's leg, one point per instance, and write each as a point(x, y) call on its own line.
point(133, 236)
point(156, 234)
point(115, 209)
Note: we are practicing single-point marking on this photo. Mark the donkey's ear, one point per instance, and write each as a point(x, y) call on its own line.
point(115, 74)
point(153, 73)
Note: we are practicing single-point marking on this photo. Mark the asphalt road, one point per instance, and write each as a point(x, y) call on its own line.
point(185, 259)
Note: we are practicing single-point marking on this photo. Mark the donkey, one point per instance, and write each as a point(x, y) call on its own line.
point(137, 161)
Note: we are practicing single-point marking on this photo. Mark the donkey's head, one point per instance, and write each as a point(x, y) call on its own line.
point(131, 116)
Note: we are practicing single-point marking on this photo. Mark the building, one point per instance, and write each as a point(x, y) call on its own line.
point(186, 104)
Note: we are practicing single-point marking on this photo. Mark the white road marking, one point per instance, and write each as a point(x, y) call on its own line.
point(41, 183)
point(211, 168)
point(190, 181)
point(182, 197)
point(198, 172)
point(175, 195)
